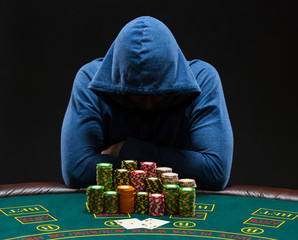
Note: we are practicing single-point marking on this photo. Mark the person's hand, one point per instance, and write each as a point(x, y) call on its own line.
point(114, 149)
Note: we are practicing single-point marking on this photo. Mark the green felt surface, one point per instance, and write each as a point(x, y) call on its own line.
point(64, 216)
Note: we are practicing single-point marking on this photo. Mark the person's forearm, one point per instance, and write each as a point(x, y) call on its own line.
point(82, 172)
point(210, 170)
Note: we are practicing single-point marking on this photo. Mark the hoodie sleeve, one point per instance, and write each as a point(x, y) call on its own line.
point(210, 158)
point(82, 135)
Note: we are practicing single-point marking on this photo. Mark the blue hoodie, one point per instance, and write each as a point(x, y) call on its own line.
point(190, 131)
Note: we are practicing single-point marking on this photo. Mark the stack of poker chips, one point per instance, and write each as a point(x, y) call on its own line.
point(153, 185)
point(169, 178)
point(156, 204)
point(161, 170)
point(187, 199)
point(126, 198)
point(174, 197)
point(121, 177)
point(104, 175)
point(95, 198)
point(187, 182)
point(137, 180)
point(150, 167)
point(142, 203)
point(111, 203)
point(171, 193)
point(129, 165)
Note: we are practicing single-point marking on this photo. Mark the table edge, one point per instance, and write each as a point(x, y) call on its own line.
point(37, 188)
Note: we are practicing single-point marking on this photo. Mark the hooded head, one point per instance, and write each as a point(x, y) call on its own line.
point(145, 60)
point(145, 68)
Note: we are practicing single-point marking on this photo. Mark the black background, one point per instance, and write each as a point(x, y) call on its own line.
point(252, 44)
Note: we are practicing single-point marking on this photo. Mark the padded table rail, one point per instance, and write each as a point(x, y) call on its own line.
point(36, 188)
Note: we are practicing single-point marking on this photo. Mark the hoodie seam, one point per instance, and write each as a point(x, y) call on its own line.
point(141, 47)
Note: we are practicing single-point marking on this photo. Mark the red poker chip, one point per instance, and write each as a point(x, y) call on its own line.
point(138, 179)
point(157, 209)
point(156, 195)
point(148, 163)
point(156, 201)
point(138, 172)
point(151, 170)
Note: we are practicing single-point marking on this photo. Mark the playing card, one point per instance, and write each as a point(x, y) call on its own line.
point(131, 223)
point(151, 223)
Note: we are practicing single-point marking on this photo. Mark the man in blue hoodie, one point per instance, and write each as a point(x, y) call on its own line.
point(145, 101)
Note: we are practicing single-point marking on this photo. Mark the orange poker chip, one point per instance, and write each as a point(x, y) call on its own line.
point(125, 188)
point(126, 198)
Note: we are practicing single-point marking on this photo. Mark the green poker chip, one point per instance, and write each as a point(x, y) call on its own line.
point(95, 198)
point(104, 175)
point(111, 202)
point(171, 193)
point(187, 198)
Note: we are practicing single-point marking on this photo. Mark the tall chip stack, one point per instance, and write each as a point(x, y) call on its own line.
point(121, 177)
point(187, 200)
point(150, 167)
point(137, 180)
point(111, 202)
point(126, 198)
point(161, 170)
point(142, 203)
point(156, 204)
point(170, 178)
point(171, 193)
point(187, 182)
point(129, 165)
point(153, 185)
point(95, 198)
point(104, 175)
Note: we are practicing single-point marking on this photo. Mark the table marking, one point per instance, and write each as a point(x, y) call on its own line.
point(206, 207)
point(184, 224)
point(22, 210)
point(48, 227)
point(30, 219)
point(264, 222)
point(112, 223)
point(252, 230)
point(273, 213)
point(200, 233)
point(197, 216)
point(111, 215)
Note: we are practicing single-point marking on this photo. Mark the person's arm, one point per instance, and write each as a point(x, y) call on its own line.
point(82, 135)
point(209, 160)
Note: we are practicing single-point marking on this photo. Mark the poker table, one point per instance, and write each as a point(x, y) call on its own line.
point(50, 210)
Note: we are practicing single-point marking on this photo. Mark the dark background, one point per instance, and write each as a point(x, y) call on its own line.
point(253, 45)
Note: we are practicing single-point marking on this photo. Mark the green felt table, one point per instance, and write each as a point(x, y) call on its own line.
point(64, 216)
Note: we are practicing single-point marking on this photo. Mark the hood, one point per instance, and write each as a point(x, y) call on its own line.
point(145, 59)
